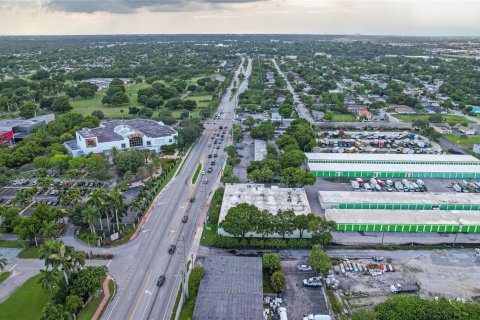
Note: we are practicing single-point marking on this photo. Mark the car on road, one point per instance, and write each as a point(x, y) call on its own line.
point(192, 199)
point(218, 147)
point(184, 219)
point(304, 267)
point(172, 249)
point(161, 280)
point(313, 282)
point(206, 181)
point(209, 145)
point(209, 156)
point(203, 172)
point(215, 155)
point(209, 169)
point(212, 163)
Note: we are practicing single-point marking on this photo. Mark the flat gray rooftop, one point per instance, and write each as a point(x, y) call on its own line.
point(106, 131)
point(398, 197)
point(271, 199)
point(436, 217)
point(232, 288)
point(390, 157)
point(403, 167)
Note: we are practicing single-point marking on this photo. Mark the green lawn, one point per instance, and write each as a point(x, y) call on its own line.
point(4, 275)
point(90, 308)
point(30, 253)
point(9, 244)
point(197, 172)
point(208, 236)
point(449, 118)
point(340, 117)
point(468, 142)
point(87, 106)
point(27, 302)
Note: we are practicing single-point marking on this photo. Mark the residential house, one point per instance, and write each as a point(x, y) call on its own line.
point(364, 115)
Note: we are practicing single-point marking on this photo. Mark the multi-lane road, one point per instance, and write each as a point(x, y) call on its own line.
point(141, 262)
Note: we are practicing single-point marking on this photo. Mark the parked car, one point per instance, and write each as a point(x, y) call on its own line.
point(172, 249)
point(313, 282)
point(304, 267)
point(160, 280)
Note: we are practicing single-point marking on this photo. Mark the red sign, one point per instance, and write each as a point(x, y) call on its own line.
point(6, 137)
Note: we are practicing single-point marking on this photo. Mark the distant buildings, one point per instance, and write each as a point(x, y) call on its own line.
point(364, 115)
point(18, 129)
point(476, 148)
point(403, 109)
point(123, 135)
point(103, 83)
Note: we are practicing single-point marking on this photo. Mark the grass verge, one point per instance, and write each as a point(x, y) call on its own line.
point(208, 236)
point(196, 276)
point(9, 244)
point(334, 303)
point(177, 301)
point(197, 172)
point(267, 284)
point(4, 275)
point(468, 141)
point(30, 253)
point(92, 305)
point(27, 302)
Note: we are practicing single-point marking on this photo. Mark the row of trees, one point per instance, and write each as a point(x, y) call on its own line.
point(244, 219)
point(95, 166)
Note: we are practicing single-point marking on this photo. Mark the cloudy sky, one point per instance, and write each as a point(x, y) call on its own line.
point(390, 17)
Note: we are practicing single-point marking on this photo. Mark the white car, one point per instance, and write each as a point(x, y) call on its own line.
point(304, 267)
point(203, 172)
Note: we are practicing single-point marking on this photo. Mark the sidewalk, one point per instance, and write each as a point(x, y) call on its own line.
point(106, 297)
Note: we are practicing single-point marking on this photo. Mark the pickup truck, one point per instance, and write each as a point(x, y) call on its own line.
point(404, 288)
point(313, 282)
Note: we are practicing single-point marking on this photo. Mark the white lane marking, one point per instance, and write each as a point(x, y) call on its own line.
point(12, 267)
point(108, 264)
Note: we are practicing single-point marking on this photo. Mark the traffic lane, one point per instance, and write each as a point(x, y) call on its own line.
point(137, 273)
point(171, 237)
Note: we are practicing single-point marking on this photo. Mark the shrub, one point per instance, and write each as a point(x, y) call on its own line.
point(278, 281)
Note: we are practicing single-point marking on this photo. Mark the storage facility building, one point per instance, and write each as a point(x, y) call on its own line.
point(405, 221)
point(399, 200)
point(443, 166)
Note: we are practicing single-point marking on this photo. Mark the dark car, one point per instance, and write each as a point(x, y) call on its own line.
point(209, 169)
point(218, 147)
point(192, 199)
point(209, 156)
point(172, 249)
point(215, 155)
point(184, 219)
point(161, 280)
point(212, 163)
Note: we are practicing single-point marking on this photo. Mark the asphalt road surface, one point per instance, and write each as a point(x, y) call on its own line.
point(139, 266)
point(299, 106)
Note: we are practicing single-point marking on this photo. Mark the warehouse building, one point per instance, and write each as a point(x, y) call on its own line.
point(272, 199)
point(231, 288)
point(122, 135)
point(405, 221)
point(440, 166)
point(399, 200)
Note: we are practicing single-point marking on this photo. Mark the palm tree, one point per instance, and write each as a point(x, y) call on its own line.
point(61, 257)
point(47, 249)
point(142, 172)
point(114, 152)
point(90, 215)
point(97, 199)
point(128, 177)
point(116, 203)
point(48, 278)
point(3, 263)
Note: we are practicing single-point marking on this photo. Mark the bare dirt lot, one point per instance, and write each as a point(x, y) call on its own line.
point(449, 273)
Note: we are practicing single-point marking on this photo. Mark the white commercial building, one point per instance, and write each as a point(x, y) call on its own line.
point(272, 199)
point(123, 135)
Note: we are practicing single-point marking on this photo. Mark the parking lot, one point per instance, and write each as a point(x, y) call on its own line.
point(300, 300)
point(246, 158)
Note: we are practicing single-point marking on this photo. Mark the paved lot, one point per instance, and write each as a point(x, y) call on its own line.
point(300, 300)
point(240, 170)
point(9, 192)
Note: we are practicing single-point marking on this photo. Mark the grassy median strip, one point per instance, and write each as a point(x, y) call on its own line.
point(197, 172)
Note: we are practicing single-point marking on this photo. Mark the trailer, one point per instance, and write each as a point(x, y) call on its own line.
point(404, 287)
